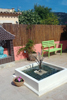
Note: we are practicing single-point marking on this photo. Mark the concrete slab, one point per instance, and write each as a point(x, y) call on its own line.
point(8, 91)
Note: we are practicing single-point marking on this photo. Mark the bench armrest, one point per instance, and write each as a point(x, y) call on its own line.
point(58, 44)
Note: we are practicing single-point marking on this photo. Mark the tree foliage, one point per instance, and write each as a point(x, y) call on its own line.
point(38, 15)
point(42, 11)
point(29, 17)
point(50, 20)
point(47, 17)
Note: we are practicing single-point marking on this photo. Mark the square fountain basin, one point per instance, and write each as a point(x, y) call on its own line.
point(45, 85)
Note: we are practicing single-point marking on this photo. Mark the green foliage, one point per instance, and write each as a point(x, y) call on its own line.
point(51, 20)
point(42, 11)
point(47, 17)
point(29, 17)
point(28, 48)
point(38, 15)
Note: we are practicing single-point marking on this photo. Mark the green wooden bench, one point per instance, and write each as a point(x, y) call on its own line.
point(47, 44)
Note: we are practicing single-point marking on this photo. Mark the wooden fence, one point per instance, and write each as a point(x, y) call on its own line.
point(37, 33)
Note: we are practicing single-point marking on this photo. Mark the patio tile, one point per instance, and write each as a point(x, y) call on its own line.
point(11, 93)
point(8, 91)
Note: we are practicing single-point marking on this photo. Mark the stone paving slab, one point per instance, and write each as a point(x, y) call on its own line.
point(8, 91)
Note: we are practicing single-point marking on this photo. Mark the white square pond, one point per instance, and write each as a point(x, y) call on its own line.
point(51, 77)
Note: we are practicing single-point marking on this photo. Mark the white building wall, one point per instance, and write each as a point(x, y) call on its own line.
point(7, 10)
point(5, 19)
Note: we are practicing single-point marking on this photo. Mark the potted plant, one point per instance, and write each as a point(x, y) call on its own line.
point(18, 81)
point(29, 50)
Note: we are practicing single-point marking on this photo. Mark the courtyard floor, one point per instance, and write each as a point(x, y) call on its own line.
point(8, 91)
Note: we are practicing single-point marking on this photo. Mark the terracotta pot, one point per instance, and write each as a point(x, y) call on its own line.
point(32, 56)
point(18, 83)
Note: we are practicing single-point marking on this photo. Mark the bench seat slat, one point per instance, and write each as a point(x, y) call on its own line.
point(54, 49)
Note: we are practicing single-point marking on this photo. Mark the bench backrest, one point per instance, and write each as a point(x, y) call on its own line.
point(48, 43)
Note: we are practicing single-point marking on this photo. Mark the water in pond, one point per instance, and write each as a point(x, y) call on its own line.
point(49, 71)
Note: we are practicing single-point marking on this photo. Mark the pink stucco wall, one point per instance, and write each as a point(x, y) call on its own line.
point(5, 51)
point(37, 48)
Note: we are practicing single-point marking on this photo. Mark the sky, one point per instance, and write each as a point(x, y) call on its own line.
point(56, 5)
